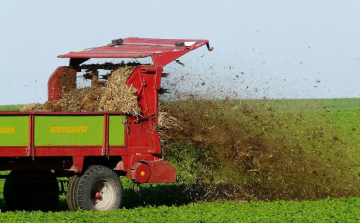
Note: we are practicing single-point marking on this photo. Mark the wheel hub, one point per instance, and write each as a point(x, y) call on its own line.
point(103, 195)
point(95, 195)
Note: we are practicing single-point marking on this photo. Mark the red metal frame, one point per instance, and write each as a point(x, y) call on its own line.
point(162, 51)
point(56, 86)
point(142, 144)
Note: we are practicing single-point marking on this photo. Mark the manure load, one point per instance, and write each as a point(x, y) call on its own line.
point(115, 96)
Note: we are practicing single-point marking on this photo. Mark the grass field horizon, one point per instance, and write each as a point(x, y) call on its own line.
point(11, 107)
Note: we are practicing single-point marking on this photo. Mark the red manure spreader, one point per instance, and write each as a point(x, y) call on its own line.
point(92, 149)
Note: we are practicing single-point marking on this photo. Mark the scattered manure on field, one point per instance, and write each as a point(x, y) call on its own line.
point(241, 150)
point(115, 96)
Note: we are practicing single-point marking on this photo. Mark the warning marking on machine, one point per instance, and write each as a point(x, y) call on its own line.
point(7, 130)
point(70, 129)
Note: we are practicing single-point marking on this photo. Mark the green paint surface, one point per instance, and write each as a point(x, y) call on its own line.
point(14, 130)
point(116, 130)
point(69, 130)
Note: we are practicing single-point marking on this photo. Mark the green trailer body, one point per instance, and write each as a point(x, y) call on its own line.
point(14, 130)
point(60, 130)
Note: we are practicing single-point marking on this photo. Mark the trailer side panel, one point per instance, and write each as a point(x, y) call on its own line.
point(14, 130)
point(116, 130)
point(69, 130)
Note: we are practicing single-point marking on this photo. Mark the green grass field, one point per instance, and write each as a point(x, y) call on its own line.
point(328, 210)
point(325, 210)
point(10, 107)
point(294, 154)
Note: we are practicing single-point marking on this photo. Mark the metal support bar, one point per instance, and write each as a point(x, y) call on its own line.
point(208, 46)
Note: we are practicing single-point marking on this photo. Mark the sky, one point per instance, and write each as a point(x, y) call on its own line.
point(263, 48)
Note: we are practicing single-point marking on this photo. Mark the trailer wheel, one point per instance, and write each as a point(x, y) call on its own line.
point(72, 193)
point(31, 190)
point(99, 189)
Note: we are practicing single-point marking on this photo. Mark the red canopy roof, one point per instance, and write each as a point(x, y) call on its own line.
point(134, 47)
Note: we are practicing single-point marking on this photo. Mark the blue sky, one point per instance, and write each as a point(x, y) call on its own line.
point(273, 49)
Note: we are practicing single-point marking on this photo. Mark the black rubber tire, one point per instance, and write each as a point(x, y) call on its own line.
point(107, 181)
point(71, 195)
point(31, 190)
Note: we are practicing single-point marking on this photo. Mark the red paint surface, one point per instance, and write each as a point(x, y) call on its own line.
point(55, 90)
point(162, 51)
